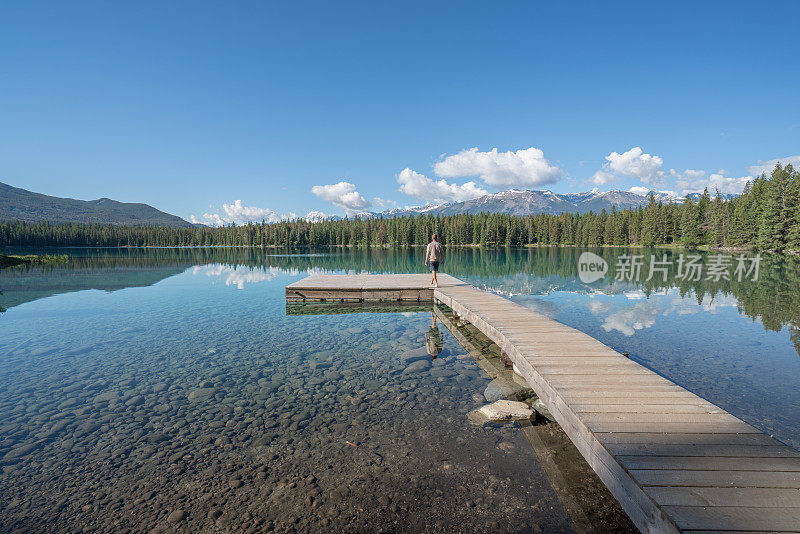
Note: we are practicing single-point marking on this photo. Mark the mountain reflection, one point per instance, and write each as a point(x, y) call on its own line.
point(523, 274)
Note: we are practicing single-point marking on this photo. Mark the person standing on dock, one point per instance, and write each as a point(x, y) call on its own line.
point(433, 257)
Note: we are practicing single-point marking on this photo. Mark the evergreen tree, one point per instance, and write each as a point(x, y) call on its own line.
point(718, 231)
point(771, 224)
point(650, 223)
point(791, 213)
point(742, 230)
point(704, 214)
point(690, 223)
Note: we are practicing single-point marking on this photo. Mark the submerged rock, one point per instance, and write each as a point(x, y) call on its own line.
point(201, 394)
point(414, 355)
point(417, 367)
point(542, 410)
point(177, 516)
point(516, 388)
point(107, 396)
point(136, 400)
point(493, 392)
point(22, 450)
point(506, 410)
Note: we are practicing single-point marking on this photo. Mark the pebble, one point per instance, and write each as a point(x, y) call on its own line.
point(135, 401)
point(177, 516)
point(201, 394)
point(108, 396)
point(22, 450)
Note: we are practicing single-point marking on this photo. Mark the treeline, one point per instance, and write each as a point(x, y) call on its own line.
point(765, 216)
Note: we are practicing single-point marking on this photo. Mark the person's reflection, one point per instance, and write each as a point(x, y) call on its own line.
point(434, 340)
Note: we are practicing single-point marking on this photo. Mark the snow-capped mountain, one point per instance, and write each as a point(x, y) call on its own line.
point(366, 215)
point(530, 202)
point(318, 216)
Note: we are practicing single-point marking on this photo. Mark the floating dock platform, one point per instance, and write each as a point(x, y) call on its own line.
point(674, 461)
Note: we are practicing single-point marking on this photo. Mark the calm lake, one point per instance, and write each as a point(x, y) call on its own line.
point(169, 388)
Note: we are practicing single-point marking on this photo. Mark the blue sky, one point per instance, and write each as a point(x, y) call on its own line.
point(191, 106)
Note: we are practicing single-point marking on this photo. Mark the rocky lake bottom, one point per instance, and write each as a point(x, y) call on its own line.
point(317, 424)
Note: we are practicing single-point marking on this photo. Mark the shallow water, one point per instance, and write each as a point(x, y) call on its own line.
point(199, 394)
point(137, 383)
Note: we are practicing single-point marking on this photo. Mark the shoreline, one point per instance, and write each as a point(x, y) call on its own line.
point(671, 246)
point(12, 260)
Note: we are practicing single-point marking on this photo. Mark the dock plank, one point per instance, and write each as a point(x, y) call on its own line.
point(718, 479)
point(771, 450)
point(731, 519)
point(711, 463)
point(612, 440)
point(764, 497)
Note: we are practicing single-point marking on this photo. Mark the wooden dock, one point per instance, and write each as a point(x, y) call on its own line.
point(674, 461)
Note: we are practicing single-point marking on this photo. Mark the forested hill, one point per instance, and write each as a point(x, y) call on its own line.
point(766, 216)
point(20, 205)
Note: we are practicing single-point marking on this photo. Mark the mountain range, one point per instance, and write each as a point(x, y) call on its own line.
point(529, 202)
point(22, 205)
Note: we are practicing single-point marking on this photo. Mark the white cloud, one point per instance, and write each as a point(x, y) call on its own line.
point(692, 181)
point(241, 275)
point(420, 186)
point(597, 307)
point(767, 167)
point(649, 169)
point(211, 219)
point(343, 195)
point(239, 213)
point(628, 320)
point(689, 174)
point(727, 184)
point(525, 167)
point(631, 164)
point(602, 177)
point(384, 203)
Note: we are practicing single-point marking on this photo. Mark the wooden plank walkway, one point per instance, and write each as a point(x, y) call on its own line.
point(674, 461)
point(367, 287)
